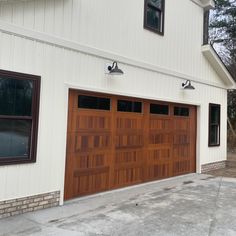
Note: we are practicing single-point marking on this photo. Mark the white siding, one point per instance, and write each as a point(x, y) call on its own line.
point(61, 68)
point(117, 26)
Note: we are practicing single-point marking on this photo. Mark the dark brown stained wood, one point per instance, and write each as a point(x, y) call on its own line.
point(112, 149)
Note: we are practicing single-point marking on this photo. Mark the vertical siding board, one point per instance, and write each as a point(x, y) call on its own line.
point(18, 13)
point(59, 18)
point(49, 17)
point(39, 15)
point(67, 24)
point(29, 14)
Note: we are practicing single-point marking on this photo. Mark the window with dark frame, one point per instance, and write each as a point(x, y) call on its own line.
point(214, 125)
point(19, 108)
point(154, 16)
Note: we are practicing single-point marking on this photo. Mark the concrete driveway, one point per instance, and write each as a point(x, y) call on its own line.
point(190, 205)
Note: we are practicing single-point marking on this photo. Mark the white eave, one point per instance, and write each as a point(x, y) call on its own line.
point(205, 4)
point(208, 4)
point(218, 66)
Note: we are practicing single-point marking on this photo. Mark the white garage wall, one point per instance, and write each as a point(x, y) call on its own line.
point(62, 68)
point(117, 26)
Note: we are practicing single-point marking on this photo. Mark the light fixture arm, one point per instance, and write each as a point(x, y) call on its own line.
point(114, 69)
point(187, 85)
point(112, 66)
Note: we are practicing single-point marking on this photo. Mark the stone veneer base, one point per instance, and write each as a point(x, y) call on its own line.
point(29, 204)
point(213, 166)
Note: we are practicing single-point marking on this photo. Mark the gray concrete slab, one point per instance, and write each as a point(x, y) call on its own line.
point(188, 205)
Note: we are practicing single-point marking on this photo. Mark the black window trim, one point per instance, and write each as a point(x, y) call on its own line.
point(33, 138)
point(162, 11)
point(209, 124)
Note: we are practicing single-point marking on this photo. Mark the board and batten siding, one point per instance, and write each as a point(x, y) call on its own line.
point(61, 69)
point(117, 27)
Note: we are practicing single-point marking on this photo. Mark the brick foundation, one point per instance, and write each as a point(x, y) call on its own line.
point(28, 204)
point(213, 166)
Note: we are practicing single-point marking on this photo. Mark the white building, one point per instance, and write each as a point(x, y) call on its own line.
point(69, 126)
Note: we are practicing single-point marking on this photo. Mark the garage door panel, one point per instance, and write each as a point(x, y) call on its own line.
point(159, 171)
point(129, 121)
point(163, 124)
point(89, 142)
point(159, 155)
point(93, 121)
point(181, 124)
point(124, 176)
point(181, 167)
point(91, 160)
point(128, 156)
point(94, 181)
point(111, 149)
point(157, 138)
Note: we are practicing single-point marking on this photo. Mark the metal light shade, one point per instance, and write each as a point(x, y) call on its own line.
point(187, 85)
point(114, 69)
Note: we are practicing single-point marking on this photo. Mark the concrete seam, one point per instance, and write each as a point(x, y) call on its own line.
point(212, 225)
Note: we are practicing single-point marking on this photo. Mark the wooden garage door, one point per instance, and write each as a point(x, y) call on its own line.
point(115, 141)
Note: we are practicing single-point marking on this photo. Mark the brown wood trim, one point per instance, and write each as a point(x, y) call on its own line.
point(209, 123)
point(35, 117)
point(84, 172)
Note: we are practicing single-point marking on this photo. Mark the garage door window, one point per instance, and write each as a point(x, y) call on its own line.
point(214, 125)
point(181, 111)
point(19, 104)
point(129, 106)
point(91, 102)
point(159, 109)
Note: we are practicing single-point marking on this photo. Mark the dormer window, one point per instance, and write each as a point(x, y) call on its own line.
point(154, 16)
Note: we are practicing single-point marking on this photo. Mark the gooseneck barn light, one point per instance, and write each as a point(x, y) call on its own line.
point(187, 85)
point(114, 69)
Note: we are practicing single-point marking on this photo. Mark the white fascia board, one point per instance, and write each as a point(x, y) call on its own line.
point(218, 66)
point(205, 4)
point(208, 4)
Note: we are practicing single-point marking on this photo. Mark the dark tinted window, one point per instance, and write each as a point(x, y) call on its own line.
point(214, 125)
point(154, 15)
point(14, 136)
point(129, 106)
point(15, 97)
point(19, 107)
point(159, 109)
point(181, 111)
point(91, 102)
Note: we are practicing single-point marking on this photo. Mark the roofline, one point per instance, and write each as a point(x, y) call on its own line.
point(205, 4)
point(219, 66)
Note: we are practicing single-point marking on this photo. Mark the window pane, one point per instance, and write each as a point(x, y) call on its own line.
point(159, 109)
point(214, 134)
point(155, 3)
point(215, 114)
point(14, 138)
point(181, 111)
point(15, 97)
point(90, 102)
point(129, 106)
point(153, 18)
